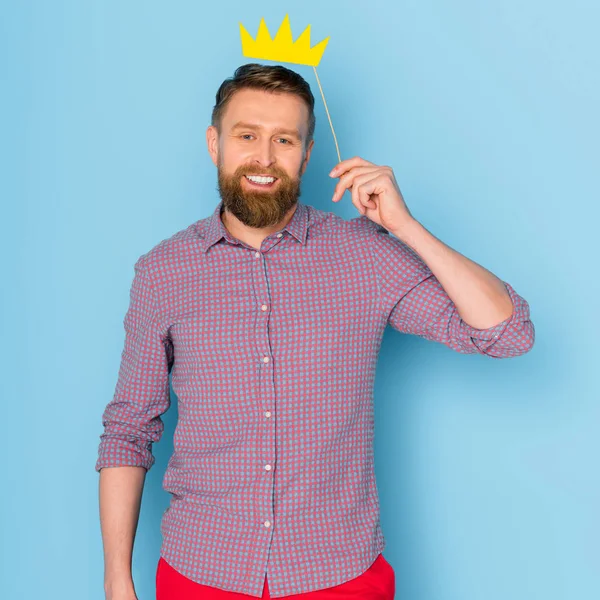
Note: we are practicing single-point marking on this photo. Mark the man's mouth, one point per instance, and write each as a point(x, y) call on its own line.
point(258, 181)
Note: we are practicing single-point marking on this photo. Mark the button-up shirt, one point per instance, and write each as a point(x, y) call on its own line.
point(271, 353)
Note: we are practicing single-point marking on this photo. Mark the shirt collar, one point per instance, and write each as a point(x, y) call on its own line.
point(215, 230)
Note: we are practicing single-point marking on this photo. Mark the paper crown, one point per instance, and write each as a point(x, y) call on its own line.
point(282, 48)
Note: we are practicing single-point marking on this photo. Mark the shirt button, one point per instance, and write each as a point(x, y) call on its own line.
point(279, 234)
point(264, 307)
point(267, 467)
point(256, 254)
point(268, 414)
point(267, 523)
point(265, 359)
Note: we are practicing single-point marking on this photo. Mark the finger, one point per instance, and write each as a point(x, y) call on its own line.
point(347, 180)
point(349, 163)
point(344, 165)
point(359, 207)
point(368, 187)
point(360, 199)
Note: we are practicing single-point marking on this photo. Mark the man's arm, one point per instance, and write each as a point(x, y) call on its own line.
point(120, 499)
point(425, 287)
point(417, 302)
point(132, 423)
point(480, 297)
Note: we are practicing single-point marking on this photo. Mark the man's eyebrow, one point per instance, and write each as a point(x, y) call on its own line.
point(245, 125)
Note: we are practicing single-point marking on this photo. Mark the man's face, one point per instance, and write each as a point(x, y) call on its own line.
point(262, 133)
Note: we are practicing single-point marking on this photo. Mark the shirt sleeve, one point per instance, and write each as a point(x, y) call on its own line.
point(416, 303)
point(131, 419)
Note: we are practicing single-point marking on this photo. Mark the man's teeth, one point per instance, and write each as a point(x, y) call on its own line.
point(260, 179)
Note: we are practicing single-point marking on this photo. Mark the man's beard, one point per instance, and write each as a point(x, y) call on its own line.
point(256, 208)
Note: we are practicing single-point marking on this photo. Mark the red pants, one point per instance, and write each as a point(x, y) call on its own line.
point(376, 583)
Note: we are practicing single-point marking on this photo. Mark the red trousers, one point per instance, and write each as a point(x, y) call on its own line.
point(376, 583)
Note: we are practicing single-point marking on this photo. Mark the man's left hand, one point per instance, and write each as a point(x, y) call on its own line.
point(375, 192)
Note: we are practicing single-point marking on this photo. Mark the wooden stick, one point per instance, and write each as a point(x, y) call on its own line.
point(327, 111)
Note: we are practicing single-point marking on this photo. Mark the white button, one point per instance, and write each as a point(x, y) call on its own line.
point(265, 359)
point(268, 414)
point(279, 234)
point(267, 467)
point(267, 523)
point(264, 307)
point(256, 254)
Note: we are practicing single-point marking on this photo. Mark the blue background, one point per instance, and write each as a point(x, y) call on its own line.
point(488, 113)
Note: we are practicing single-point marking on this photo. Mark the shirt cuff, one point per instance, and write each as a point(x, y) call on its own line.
point(116, 452)
point(484, 339)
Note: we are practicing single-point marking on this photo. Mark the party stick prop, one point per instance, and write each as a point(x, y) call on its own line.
point(283, 49)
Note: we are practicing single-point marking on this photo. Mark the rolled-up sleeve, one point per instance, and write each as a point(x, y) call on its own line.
point(416, 303)
point(131, 419)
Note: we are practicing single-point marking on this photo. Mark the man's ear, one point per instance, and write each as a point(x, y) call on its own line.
point(212, 141)
point(307, 157)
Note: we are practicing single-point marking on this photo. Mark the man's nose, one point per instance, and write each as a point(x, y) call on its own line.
point(265, 155)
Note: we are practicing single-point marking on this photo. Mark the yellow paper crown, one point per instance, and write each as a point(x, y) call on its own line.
point(282, 48)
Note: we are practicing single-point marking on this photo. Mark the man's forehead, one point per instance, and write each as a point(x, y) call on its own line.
point(266, 115)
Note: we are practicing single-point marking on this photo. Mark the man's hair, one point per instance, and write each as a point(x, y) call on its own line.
point(268, 78)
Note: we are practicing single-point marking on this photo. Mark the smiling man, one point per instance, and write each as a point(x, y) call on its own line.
point(259, 162)
point(261, 143)
point(267, 318)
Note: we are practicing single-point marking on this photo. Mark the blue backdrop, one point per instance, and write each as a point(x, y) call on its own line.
point(488, 113)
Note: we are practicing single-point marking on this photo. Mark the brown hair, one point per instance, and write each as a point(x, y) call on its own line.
point(268, 78)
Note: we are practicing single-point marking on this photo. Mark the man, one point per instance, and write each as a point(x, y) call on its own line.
point(269, 316)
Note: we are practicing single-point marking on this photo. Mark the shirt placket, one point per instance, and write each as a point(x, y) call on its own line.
point(265, 451)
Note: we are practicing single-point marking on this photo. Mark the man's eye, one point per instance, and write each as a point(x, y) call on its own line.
point(245, 135)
